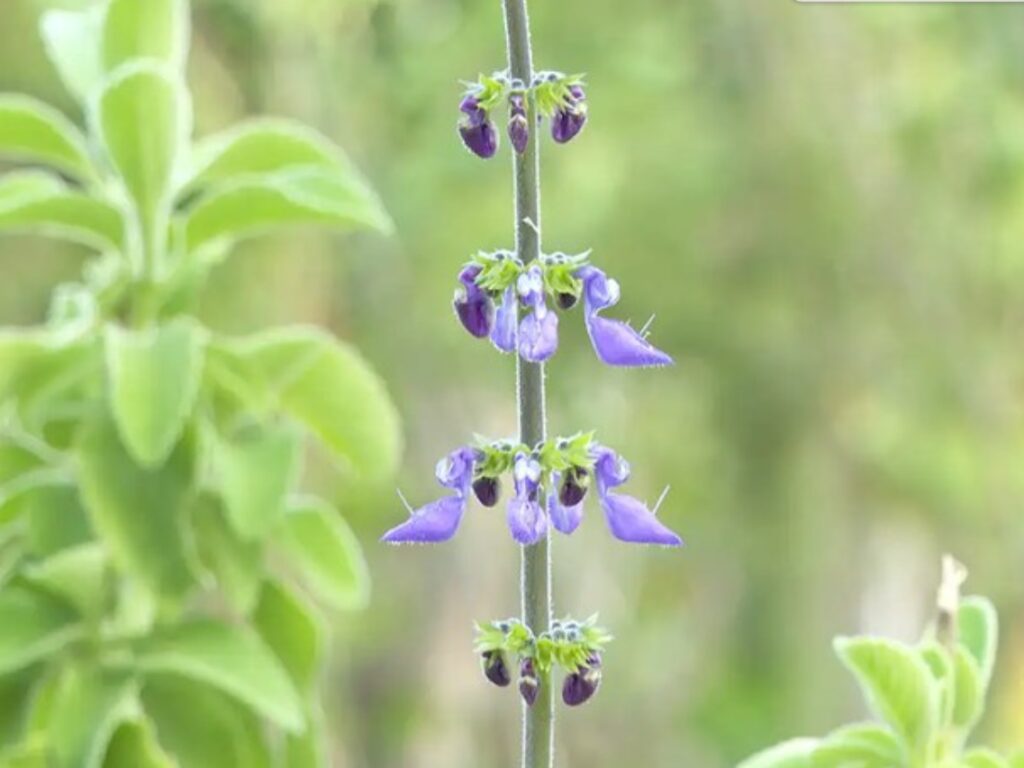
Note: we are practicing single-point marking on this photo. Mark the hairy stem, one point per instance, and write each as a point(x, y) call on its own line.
point(538, 720)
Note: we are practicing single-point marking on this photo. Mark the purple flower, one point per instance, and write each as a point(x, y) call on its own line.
point(476, 129)
point(628, 519)
point(538, 331)
point(529, 683)
point(506, 321)
point(518, 126)
point(570, 118)
point(526, 518)
point(487, 490)
point(615, 342)
point(472, 305)
point(439, 520)
point(583, 683)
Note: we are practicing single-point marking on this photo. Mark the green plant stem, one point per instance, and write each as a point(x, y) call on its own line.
point(538, 720)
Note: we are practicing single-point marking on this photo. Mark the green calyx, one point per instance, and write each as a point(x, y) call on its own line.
point(556, 455)
point(551, 90)
point(568, 643)
point(500, 270)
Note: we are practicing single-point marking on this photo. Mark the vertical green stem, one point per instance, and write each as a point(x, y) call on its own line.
point(538, 720)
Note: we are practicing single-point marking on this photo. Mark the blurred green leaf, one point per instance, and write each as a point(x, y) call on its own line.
point(139, 513)
point(33, 130)
point(143, 118)
point(237, 565)
point(134, 746)
point(325, 553)
point(978, 626)
point(260, 147)
point(88, 705)
point(72, 44)
point(18, 350)
point(864, 745)
point(231, 659)
point(201, 727)
point(78, 576)
point(328, 387)
point(30, 755)
point(252, 206)
point(292, 631)
point(310, 749)
point(969, 693)
point(32, 201)
point(791, 754)
point(897, 685)
point(940, 663)
point(16, 492)
point(984, 758)
point(56, 520)
point(258, 468)
point(145, 29)
point(15, 693)
point(154, 380)
point(35, 626)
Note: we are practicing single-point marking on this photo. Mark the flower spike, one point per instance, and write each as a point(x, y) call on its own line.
point(615, 342)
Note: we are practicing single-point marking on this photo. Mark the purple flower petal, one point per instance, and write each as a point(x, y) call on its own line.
point(526, 520)
point(538, 335)
point(506, 321)
point(473, 306)
point(433, 523)
point(564, 519)
point(610, 469)
point(481, 139)
point(615, 342)
point(455, 470)
point(630, 520)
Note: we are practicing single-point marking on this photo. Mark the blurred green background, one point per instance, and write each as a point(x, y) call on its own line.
point(823, 205)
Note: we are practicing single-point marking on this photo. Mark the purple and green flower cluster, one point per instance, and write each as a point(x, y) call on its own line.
point(501, 299)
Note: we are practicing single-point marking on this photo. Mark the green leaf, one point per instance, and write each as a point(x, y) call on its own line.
point(325, 553)
point(15, 694)
point(154, 380)
point(56, 520)
point(897, 685)
point(134, 746)
point(16, 492)
point(139, 513)
point(71, 40)
point(32, 754)
point(308, 750)
point(969, 694)
point(201, 727)
point(19, 349)
point(89, 704)
point(291, 629)
point(35, 626)
point(864, 745)
point(252, 206)
point(32, 201)
point(260, 147)
point(791, 754)
point(258, 469)
point(978, 626)
point(231, 659)
point(984, 758)
point(237, 565)
point(940, 662)
point(145, 29)
point(32, 130)
point(78, 576)
point(328, 387)
point(143, 118)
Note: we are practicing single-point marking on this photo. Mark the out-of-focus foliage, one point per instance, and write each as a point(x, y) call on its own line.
point(825, 206)
point(927, 699)
point(152, 538)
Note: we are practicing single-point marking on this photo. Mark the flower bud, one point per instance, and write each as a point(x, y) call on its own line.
point(476, 129)
point(473, 306)
point(495, 668)
point(581, 685)
point(566, 300)
point(529, 684)
point(487, 490)
point(570, 118)
point(518, 125)
point(574, 486)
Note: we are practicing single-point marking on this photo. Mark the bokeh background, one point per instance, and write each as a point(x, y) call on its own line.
point(823, 205)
